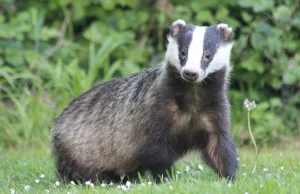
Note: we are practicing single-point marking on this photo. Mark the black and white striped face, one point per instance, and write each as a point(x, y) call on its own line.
point(197, 51)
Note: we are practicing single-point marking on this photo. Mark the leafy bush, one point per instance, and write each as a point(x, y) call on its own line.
point(51, 51)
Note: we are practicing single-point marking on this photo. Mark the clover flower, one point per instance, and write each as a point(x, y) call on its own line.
point(56, 183)
point(200, 167)
point(128, 184)
point(187, 168)
point(123, 187)
point(249, 105)
point(26, 187)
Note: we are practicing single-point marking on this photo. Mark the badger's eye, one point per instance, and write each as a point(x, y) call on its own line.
point(207, 55)
point(183, 53)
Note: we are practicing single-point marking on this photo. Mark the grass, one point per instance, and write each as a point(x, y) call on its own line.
point(278, 171)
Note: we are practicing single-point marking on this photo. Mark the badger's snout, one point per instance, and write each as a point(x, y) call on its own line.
point(190, 75)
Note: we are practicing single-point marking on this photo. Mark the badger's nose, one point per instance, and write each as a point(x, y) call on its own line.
point(190, 75)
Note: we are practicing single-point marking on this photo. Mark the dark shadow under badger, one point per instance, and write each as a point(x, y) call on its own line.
point(148, 120)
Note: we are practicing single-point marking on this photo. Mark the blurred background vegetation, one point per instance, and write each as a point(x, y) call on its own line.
point(53, 50)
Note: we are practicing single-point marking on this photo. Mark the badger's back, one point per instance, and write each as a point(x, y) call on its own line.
point(99, 129)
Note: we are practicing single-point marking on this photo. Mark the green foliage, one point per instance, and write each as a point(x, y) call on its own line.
point(51, 51)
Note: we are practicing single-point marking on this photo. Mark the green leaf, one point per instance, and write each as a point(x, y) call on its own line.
point(2, 18)
point(290, 77)
point(274, 44)
point(275, 102)
point(14, 57)
point(263, 5)
point(48, 33)
point(282, 12)
point(258, 40)
point(296, 21)
point(222, 13)
point(94, 32)
point(247, 3)
point(205, 16)
point(246, 17)
point(1, 62)
point(253, 63)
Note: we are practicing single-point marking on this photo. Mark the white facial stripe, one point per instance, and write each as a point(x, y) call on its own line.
point(221, 59)
point(172, 54)
point(195, 52)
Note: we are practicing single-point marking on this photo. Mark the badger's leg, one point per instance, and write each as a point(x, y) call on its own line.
point(220, 154)
point(160, 174)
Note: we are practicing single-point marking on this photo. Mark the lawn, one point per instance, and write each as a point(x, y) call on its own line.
point(278, 171)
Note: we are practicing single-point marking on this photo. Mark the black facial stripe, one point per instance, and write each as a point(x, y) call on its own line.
point(212, 40)
point(184, 40)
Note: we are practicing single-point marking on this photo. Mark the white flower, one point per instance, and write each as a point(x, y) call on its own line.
point(47, 191)
point(88, 182)
point(229, 185)
point(249, 105)
point(128, 184)
point(42, 176)
point(37, 181)
point(111, 184)
point(245, 174)
point(265, 169)
point(281, 168)
point(103, 185)
point(246, 193)
point(171, 187)
point(187, 168)
point(26, 187)
point(149, 183)
point(200, 167)
point(72, 183)
point(12, 191)
point(92, 185)
point(57, 183)
point(123, 187)
point(143, 184)
point(68, 193)
point(177, 172)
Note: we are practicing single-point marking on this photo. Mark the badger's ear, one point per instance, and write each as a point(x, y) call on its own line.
point(176, 28)
point(226, 32)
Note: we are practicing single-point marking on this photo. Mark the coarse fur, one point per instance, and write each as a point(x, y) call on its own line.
point(146, 121)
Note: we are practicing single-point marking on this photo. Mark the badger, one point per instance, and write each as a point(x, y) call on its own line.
point(146, 121)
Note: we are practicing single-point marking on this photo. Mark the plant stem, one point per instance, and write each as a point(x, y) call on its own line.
point(253, 140)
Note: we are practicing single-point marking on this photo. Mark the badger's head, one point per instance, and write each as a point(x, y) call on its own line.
point(197, 51)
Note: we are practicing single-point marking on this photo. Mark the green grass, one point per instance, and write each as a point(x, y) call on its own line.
point(278, 171)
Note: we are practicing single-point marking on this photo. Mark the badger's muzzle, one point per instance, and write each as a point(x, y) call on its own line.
point(190, 75)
